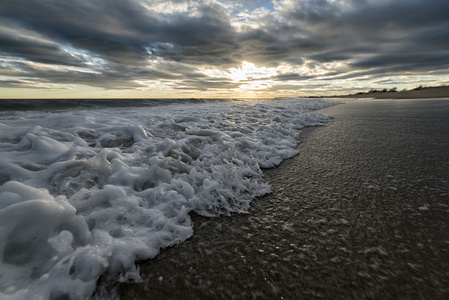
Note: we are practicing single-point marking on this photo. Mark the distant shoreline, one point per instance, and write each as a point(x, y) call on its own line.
point(418, 93)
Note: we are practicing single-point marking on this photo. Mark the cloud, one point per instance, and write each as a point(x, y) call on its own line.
point(204, 85)
point(119, 43)
point(123, 31)
point(32, 46)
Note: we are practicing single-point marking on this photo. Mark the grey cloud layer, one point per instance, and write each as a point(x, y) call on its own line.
point(126, 37)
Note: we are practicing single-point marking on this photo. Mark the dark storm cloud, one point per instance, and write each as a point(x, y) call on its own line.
point(124, 37)
point(122, 31)
point(82, 24)
point(405, 60)
point(36, 50)
point(208, 39)
point(290, 76)
point(404, 29)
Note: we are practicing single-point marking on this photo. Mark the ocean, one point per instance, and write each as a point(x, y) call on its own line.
point(89, 187)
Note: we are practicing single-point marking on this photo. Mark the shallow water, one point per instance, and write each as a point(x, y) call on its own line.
point(87, 190)
point(361, 212)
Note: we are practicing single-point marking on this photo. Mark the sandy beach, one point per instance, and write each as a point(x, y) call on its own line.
point(422, 93)
point(361, 212)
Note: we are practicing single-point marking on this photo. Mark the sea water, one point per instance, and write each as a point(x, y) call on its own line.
point(89, 187)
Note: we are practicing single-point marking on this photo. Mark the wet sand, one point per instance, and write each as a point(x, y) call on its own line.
point(362, 212)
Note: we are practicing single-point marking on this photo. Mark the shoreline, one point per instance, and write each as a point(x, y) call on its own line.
point(422, 93)
point(360, 212)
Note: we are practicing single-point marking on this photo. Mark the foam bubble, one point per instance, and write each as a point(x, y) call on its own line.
point(90, 192)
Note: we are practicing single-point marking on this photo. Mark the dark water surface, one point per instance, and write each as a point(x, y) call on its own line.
point(362, 212)
point(74, 104)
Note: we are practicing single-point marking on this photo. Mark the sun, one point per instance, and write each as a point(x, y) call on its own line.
point(249, 71)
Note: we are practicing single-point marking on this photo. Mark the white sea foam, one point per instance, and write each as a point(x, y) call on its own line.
point(88, 192)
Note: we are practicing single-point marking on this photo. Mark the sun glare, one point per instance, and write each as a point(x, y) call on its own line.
point(250, 71)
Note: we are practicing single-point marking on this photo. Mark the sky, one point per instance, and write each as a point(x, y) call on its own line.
point(219, 48)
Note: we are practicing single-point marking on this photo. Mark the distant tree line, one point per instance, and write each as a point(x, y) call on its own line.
point(392, 90)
